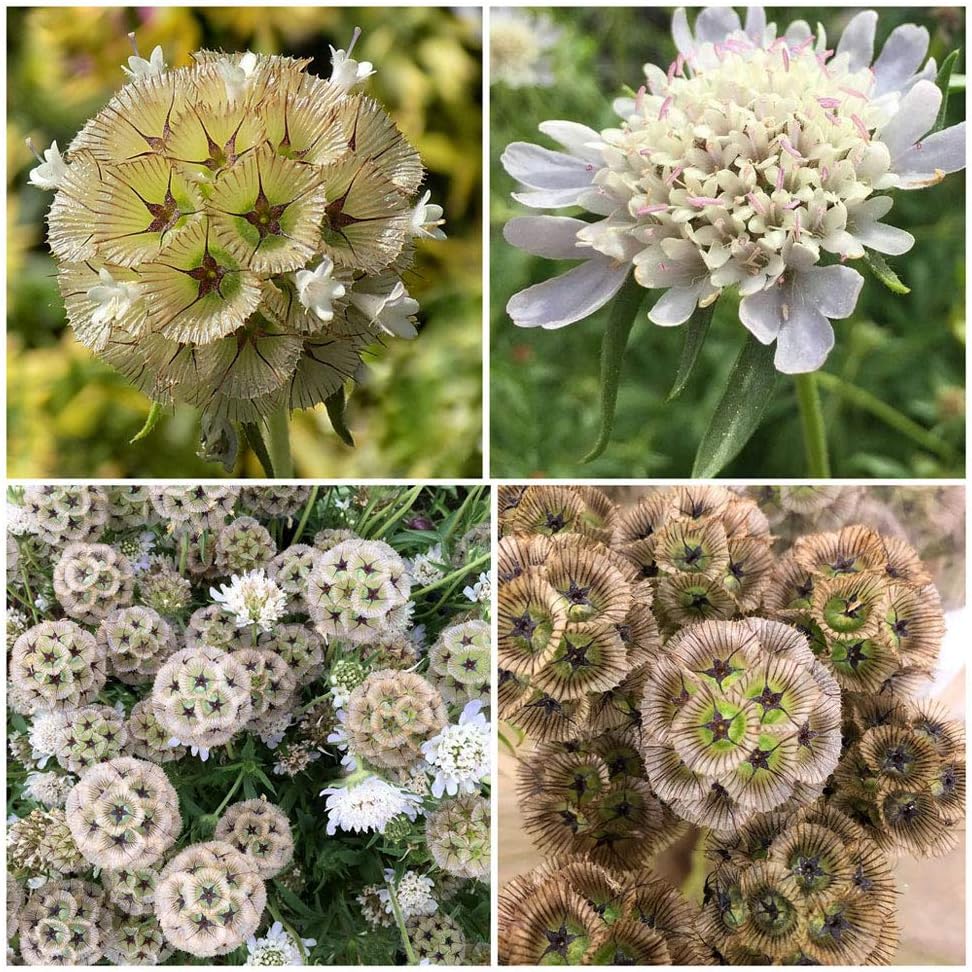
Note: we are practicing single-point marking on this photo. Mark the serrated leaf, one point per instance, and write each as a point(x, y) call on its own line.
point(624, 309)
point(879, 267)
point(254, 438)
point(749, 389)
point(155, 413)
point(335, 405)
point(943, 82)
point(695, 332)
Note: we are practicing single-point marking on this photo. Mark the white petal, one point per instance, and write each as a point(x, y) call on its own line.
point(797, 33)
point(871, 209)
point(884, 238)
point(804, 341)
point(756, 25)
point(916, 115)
point(681, 33)
point(762, 313)
point(715, 24)
point(575, 139)
point(857, 41)
point(832, 290)
point(540, 168)
point(940, 153)
point(553, 237)
point(676, 305)
point(568, 298)
point(901, 57)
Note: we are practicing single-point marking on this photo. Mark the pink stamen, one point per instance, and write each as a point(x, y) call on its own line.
point(779, 178)
point(680, 65)
point(803, 45)
point(675, 173)
point(662, 266)
point(640, 98)
point(671, 71)
point(756, 203)
point(792, 204)
point(653, 208)
point(787, 147)
point(666, 104)
point(797, 228)
point(702, 201)
point(736, 46)
point(786, 59)
point(854, 93)
point(861, 128)
point(828, 102)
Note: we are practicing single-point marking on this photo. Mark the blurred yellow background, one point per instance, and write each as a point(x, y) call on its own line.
point(418, 414)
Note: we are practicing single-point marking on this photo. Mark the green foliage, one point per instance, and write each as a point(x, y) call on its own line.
point(908, 350)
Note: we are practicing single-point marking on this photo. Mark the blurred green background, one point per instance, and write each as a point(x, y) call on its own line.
point(907, 351)
point(419, 412)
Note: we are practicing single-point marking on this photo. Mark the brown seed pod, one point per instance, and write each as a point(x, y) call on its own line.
point(531, 618)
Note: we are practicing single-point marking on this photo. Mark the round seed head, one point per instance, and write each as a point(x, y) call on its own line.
point(273, 683)
point(41, 844)
point(137, 941)
point(437, 939)
point(91, 735)
point(136, 641)
point(147, 739)
point(243, 544)
point(261, 832)
point(64, 922)
point(458, 836)
point(63, 514)
point(91, 580)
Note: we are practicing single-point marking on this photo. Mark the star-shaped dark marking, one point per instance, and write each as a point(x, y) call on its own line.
point(208, 894)
point(577, 594)
point(692, 554)
point(720, 670)
point(769, 699)
point(759, 758)
point(808, 869)
point(118, 813)
point(523, 627)
point(835, 925)
point(576, 656)
point(719, 726)
point(855, 655)
point(559, 940)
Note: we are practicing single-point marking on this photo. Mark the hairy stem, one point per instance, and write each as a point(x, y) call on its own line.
point(814, 434)
point(278, 430)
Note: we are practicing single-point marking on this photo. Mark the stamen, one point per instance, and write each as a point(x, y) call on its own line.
point(786, 59)
point(131, 40)
point(861, 127)
point(653, 208)
point(675, 173)
point(666, 104)
point(829, 102)
point(34, 152)
point(702, 201)
point(854, 93)
point(787, 147)
point(779, 177)
point(797, 228)
point(640, 99)
point(354, 39)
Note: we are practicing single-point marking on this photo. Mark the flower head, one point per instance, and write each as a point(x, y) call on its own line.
point(347, 71)
point(318, 289)
point(52, 170)
point(459, 756)
point(252, 599)
point(427, 219)
point(755, 162)
point(276, 948)
point(519, 42)
point(139, 67)
point(367, 805)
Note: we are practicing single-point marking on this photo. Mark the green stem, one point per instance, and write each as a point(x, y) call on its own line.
point(278, 430)
point(400, 921)
point(305, 516)
point(406, 504)
point(889, 415)
point(229, 795)
point(472, 565)
point(471, 497)
point(814, 434)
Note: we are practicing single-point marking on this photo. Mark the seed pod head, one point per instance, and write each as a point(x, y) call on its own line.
point(132, 889)
point(272, 683)
point(147, 739)
point(66, 513)
point(124, 813)
point(325, 539)
point(735, 715)
point(300, 646)
point(391, 648)
point(91, 580)
point(273, 501)
point(209, 899)
point(197, 507)
point(261, 832)
point(808, 888)
point(243, 544)
point(212, 627)
point(437, 939)
point(58, 665)
point(65, 923)
point(41, 844)
point(130, 507)
point(553, 510)
point(137, 941)
point(202, 697)
point(91, 735)
point(458, 836)
point(554, 925)
point(163, 589)
point(358, 588)
point(903, 777)
point(291, 569)
point(459, 662)
point(532, 617)
point(136, 641)
point(390, 715)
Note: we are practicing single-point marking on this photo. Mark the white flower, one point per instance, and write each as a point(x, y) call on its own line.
point(272, 734)
point(414, 894)
point(138, 67)
point(112, 297)
point(45, 736)
point(338, 737)
point(427, 219)
point(743, 165)
point(277, 947)
point(518, 44)
point(426, 568)
point(385, 302)
point(481, 591)
point(20, 521)
point(347, 71)
point(237, 75)
point(459, 756)
point(253, 599)
point(42, 602)
point(52, 170)
point(367, 806)
point(51, 789)
point(318, 289)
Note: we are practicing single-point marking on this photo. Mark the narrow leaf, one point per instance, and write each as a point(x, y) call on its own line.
point(624, 310)
point(155, 413)
point(749, 389)
point(695, 332)
point(879, 267)
point(254, 438)
point(335, 405)
point(943, 82)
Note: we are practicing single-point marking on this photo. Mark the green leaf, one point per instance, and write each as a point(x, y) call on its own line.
point(943, 79)
point(254, 438)
point(624, 310)
point(335, 412)
point(749, 389)
point(155, 413)
point(695, 332)
point(879, 267)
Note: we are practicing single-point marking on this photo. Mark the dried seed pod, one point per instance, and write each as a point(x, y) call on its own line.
point(291, 569)
point(147, 739)
point(124, 813)
point(437, 939)
point(57, 665)
point(300, 646)
point(42, 844)
point(91, 735)
point(261, 832)
point(91, 580)
point(199, 507)
point(65, 923)
point(136, 641)
point(391, 714)
point(326, 539)
point(460, 662)
point(273, 683)
point(275, 501)
point(132, 890)
point(202, 697)
point(66, 513)
point(531, 619)
point(358, 588)
point(209, 899)
point(243, 544)
point(212, 627)
point(458, 836)
point(554, 925)
point(137, 941)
